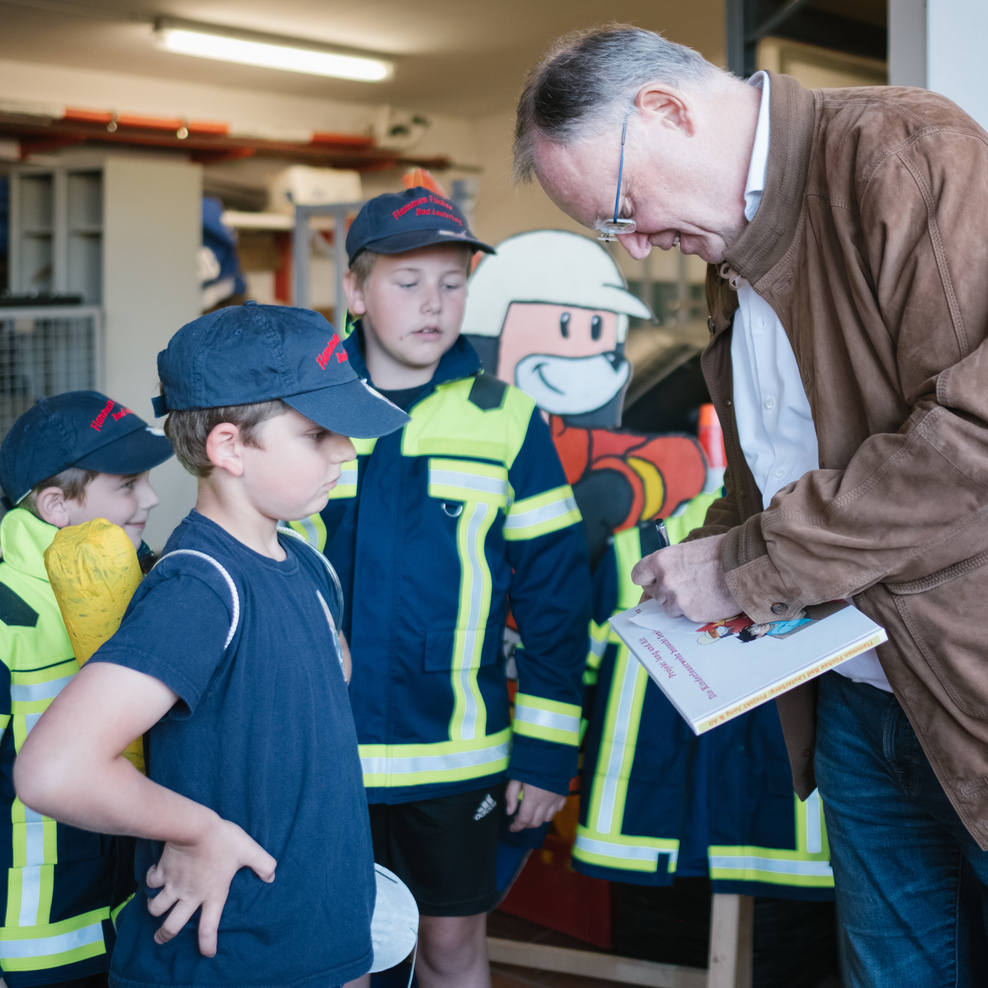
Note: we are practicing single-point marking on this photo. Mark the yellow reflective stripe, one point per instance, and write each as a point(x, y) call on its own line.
point(625, 853)
point(469, 716)
point(346, 486)
point(32, 690)
point(312, 529)
point(550, 720)
point(464, 480)
point(807, 866)
point(364, 447)
point(627, 551)
point(617, 747)
point(55, 944)
point(115, 912)
point(547, 512)
point(443, 761)
point(447, 423)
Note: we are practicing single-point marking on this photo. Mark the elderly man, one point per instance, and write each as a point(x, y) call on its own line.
point(847, 233)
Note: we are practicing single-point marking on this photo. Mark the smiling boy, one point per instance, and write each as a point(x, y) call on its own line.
point(434, 530)
point(67, 460)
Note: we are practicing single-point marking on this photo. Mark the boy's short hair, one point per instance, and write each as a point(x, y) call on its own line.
point(72, 482)
point(395, 223)
point(83, 429)
point(189, 428)
point(250, 354)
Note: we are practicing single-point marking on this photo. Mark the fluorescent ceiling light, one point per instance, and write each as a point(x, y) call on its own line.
point(267, 51)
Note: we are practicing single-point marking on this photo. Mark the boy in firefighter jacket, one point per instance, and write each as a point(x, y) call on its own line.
point(435, 531)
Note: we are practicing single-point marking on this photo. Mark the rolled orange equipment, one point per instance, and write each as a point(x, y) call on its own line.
point(94, 571)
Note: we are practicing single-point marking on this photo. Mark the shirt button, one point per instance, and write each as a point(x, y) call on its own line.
point(780, 472)
point(779, 608)
point(770, 402)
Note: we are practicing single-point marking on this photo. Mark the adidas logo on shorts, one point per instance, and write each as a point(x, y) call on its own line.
point(487, 804)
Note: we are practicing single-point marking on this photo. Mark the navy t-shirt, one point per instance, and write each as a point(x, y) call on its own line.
point(263, 735)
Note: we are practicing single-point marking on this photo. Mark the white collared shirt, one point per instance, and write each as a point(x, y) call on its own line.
point(775, 424)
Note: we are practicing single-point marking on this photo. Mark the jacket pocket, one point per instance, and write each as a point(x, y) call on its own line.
point(944, 614)
point(458, 648)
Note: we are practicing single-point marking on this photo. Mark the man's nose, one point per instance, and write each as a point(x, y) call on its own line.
point(636, 244)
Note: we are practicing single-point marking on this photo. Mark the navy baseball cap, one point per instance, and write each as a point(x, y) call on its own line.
point(250, 353)
point(397, 222)
point(77, 429)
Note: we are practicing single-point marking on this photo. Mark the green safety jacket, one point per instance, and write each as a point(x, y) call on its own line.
point(62, 884)
point(658, 802)
point(435, 531)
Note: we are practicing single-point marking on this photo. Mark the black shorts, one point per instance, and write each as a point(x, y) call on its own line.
point(443, 849)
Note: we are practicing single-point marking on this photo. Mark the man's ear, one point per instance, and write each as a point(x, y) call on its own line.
point(223, 447)
point(52, 508)
point(355, 301)
point(668, 105)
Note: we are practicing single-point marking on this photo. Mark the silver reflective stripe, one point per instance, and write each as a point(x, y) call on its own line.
point(412, 764)
point(546, 718)
point(467, 664)
point(30, 896)
point(628, 852)
point(235, 597)
point(347, 476)
point(814, 831)
point(539, 516)
point(29, 721)
point(34, 841)
point(469, 481)
point(311, 534)
point(598, 647)
point(31, 693)
point(775, 866)
point(604, 824)
point(48, 946)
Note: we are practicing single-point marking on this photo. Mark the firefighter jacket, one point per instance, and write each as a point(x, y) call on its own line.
point(658, 802)
point(435, 531)
point(60, 883)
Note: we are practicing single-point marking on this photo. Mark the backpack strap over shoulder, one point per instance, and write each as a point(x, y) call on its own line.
point(234, 594)
point(334, 579)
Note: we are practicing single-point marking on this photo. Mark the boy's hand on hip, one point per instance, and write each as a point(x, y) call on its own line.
point(688, 579)
point(535, 806)
point(197, 875)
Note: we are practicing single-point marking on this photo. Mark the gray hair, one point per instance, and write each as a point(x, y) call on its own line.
point(591, 78)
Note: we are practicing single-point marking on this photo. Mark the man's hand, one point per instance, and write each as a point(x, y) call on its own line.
point(688, 579)
point(198, 875)
point(535, 806)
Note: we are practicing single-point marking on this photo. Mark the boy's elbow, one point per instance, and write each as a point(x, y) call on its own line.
point(38, 780)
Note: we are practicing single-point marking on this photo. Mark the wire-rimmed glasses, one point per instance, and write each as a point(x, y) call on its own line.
point(610, 230)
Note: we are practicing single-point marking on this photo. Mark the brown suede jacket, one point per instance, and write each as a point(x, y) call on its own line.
point(871, 244)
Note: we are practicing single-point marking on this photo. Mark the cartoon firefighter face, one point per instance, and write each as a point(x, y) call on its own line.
point(549, 313)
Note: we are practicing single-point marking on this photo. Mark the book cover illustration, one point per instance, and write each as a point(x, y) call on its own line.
point(714, 671)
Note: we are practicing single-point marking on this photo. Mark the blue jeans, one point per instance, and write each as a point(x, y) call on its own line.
point(911, 883)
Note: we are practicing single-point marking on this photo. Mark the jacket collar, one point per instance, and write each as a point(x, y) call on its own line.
point(460, 360)
point(768, 236)
point(23, 540)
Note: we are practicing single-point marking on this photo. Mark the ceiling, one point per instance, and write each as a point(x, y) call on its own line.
point(452, 57)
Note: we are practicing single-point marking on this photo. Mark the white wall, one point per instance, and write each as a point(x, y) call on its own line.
point(939, 44)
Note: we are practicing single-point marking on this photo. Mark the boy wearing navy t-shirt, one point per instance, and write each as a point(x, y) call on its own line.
point(229, 659)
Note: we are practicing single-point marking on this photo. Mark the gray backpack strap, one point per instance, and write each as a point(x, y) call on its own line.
point(334, 579)
point(234, 595)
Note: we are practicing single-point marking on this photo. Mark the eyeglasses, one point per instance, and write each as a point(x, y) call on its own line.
point(609, 230)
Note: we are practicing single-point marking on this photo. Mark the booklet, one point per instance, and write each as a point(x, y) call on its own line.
point(715, 671)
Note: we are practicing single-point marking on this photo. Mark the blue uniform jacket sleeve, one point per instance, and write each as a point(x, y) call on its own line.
point(550, 601)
